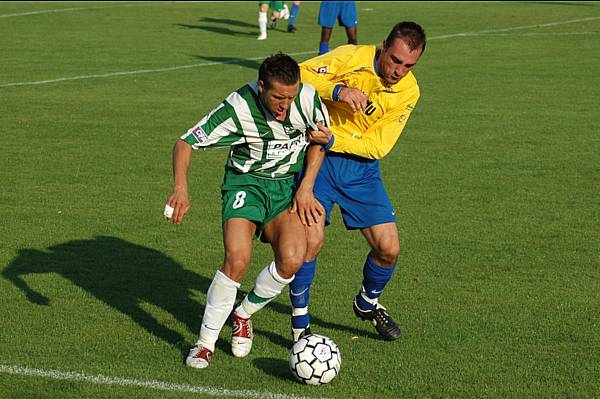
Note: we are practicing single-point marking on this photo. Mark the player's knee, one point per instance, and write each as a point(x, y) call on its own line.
point(314, 243)
point(236, 266)
point(290, 261)
point(388, 252)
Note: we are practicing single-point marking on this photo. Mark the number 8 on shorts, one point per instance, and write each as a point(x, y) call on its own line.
point(239, 200)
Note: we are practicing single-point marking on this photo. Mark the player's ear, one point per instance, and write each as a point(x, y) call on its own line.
point(261, 86)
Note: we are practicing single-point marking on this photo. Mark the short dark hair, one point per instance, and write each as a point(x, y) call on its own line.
point(280, 67)
point(411, 32)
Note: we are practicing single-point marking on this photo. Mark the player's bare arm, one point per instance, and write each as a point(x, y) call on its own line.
point(179, 199)
point(304, 203)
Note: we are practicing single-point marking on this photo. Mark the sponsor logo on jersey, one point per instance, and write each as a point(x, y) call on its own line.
point(402, 118)
point(281, 149)
point(410, 107)
point(199, 134)
point(289, 130)
point(322, 69)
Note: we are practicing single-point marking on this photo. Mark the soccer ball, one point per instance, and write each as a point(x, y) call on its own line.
point(315, 359)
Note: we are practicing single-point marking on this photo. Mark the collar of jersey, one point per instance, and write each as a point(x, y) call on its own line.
point(377, 52)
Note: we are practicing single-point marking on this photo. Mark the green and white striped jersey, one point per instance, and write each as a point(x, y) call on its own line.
point(260, 144)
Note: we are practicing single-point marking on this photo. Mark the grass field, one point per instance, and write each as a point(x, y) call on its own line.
point(496, 182)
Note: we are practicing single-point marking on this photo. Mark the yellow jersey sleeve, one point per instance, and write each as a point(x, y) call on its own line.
point(328, 70)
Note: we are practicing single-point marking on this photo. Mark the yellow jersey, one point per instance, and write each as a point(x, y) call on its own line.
point(371, 133)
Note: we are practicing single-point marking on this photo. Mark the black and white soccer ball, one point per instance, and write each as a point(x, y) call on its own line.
point(315, 359)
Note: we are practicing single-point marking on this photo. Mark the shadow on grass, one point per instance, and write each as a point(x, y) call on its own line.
point(223, 26)
point(219, 29)
point(125, 276)
point(121, 274)
point(277, 368)
point(228, 21)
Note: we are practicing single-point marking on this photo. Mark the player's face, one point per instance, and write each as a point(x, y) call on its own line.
point(278, 98)
point(396, 61)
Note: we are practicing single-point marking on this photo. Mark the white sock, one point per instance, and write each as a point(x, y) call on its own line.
point(219, 302)
point(262, 22)
point(268, 285)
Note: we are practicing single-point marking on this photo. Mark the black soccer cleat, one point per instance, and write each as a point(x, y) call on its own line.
point(383, 322)
point(292, 29)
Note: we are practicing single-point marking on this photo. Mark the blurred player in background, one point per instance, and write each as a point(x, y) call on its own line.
point(278, 10)
point(265, 123)
point(342, 11)
point(370, 94)
point(293, 15)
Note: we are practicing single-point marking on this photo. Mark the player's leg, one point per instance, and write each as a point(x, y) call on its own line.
point(377, 272)
point(325, 36)
point(351, 34)
point(263, 9)
point(287, 237)
point(348, 18)
point(301, 285)
point(327, 17)
point(325, 192)
point(221, 295)
point(365, 205)
point(293, 15)
point(279, 9)
point(286, 234)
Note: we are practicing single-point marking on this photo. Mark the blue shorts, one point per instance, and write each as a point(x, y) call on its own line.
point(355, 184)
point(343, 11)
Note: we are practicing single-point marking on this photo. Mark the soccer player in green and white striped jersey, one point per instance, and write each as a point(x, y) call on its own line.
point(265, 123)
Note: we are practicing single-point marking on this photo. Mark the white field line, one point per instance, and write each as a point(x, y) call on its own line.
point(483, 32)
point(141, 71)
point(205, 64)
point(152, 384)
point(543, 34)
point(21, 14)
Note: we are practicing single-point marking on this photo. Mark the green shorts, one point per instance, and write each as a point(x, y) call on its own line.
point(273, 5)
point(254, 198)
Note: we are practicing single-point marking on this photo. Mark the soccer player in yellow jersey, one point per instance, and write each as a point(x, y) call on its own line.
point(370, 94)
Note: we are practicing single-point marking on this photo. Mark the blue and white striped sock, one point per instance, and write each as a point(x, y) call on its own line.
point(300, 294)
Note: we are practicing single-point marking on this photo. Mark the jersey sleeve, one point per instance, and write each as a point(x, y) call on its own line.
point(320, 113)
point(322, 71)
point(380, 138)
point(220, 128)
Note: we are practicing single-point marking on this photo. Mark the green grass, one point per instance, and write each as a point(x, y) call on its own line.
point(495, 180)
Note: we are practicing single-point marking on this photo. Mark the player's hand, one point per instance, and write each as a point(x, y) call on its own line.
point(306, 205)
point(180, 203)
point(356, 99)
point(320, 136)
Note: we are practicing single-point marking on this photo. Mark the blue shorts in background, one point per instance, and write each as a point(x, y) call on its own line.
point(355, 184)
point(343, 11)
